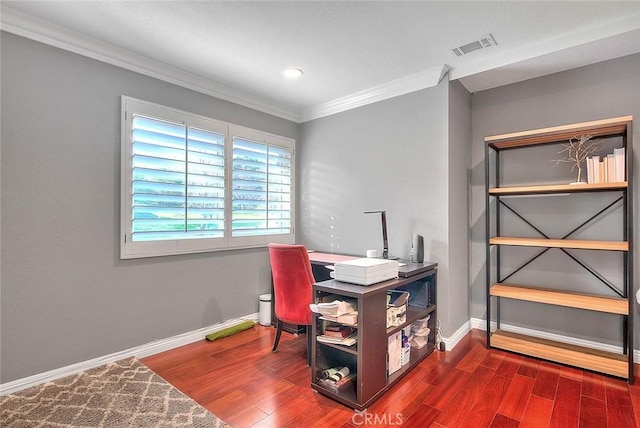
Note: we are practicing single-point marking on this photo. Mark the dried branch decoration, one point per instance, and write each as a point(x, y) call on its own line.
point(577, 150)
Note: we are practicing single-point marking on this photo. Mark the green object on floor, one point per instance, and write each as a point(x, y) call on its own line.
point(245, 325)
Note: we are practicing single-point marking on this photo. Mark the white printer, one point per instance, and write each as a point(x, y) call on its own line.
point(366, 271)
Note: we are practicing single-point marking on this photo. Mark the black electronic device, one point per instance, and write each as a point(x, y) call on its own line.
point(385, 242)
point(417, 245)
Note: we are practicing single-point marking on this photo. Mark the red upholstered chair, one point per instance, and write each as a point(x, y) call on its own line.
point(292, 287)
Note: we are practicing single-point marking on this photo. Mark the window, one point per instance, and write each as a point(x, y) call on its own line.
point(192, 184)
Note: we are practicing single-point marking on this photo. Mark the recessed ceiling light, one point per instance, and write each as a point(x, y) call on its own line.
point(292, 73)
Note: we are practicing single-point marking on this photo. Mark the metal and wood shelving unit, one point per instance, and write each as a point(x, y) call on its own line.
point(498, 284)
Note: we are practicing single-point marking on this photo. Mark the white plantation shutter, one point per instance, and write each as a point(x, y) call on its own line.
point(184, 189)
point(178, 181)
point(262, 188)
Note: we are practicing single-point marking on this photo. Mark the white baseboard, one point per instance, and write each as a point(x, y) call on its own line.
point(451, 341)
point(141, 351)
point(196, 335)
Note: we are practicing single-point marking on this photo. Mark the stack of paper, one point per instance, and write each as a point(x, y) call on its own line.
point(337, 311)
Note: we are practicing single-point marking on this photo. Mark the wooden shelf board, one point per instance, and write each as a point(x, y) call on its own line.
point(576, 244)
point(578, 356)
point(557, 188)
point(556, 134)
point(590, 302)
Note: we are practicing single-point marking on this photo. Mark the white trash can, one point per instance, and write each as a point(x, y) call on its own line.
point(265, 309)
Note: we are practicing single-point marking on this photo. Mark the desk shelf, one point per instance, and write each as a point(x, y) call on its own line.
point(368, 358)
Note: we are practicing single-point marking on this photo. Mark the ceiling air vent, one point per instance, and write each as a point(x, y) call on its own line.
point(483, 42)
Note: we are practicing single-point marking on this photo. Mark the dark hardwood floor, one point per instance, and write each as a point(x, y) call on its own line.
point(240, 380)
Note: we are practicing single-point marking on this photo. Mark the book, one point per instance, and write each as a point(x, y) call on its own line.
point(611, 168)
point(338, 330)
point(620, 161)
point(346, 341)
point(596, 169)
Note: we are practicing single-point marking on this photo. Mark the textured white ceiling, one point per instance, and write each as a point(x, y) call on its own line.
point(346, 49)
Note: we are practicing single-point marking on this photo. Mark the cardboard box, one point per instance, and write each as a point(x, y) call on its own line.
point(366, 271)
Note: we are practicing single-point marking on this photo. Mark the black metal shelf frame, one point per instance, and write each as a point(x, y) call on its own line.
point(625, 199)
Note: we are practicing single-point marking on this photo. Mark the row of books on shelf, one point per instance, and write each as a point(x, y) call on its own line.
point(339, 334)
point(609, 168)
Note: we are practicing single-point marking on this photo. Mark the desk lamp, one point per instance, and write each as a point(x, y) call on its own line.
point(385, 243)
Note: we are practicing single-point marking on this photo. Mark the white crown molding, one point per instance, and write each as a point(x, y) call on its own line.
point(138, 352)
point(44, 32)
point(414, 82)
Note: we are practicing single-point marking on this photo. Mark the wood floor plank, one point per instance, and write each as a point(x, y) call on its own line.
point(484, 410)
point(239, 379)
point(515, 401)
point(621, 417)
point(593, 413)
point(413, 380)
point(509, 365)
point(635, 400)
point(334, 417)
point(424, 416)
point(447, 388)
point(473, 358)
point(456, 409)
point(493, 359)
point(410, 403)
point(617, 393)
point(529, 367)
point(566, 410)
point(571, 373)
point(593, 386)
point(546, 382)
point(502, 421)
point(245, 418)
point(538, 413)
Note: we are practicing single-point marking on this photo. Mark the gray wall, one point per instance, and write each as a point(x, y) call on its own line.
point(457, 310)
point(599, 91)
point(393, 155)
point(66, 295)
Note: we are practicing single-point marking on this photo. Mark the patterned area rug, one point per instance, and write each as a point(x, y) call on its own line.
point(125, 393)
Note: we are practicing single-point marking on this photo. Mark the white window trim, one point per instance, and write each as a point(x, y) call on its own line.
point(131, 249)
